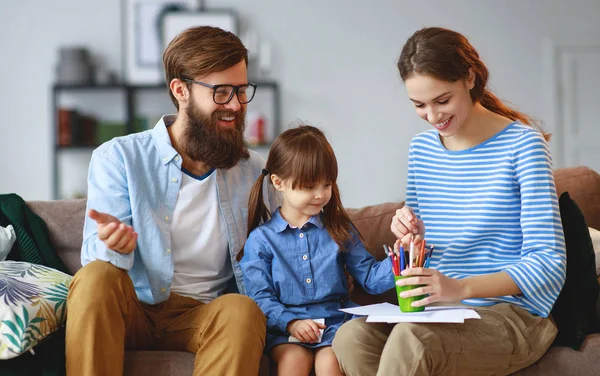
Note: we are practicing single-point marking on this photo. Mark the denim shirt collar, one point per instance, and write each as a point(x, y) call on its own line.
point(279, 224)
point(162, 140)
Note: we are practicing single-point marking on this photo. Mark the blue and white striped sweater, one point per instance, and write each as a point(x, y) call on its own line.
point(492, 208)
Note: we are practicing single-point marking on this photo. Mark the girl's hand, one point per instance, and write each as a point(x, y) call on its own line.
point(306, 331)
point(405, 225)
point(439, 287)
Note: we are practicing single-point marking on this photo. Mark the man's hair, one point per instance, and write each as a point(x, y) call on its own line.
point(200, 51)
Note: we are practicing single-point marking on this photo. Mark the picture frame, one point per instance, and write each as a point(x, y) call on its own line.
point(142, 44)
point(175, 22)
point(263, 115)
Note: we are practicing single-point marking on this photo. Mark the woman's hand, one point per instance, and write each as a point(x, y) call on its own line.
point(439, 287)
point(306, 331)
point(406, 226)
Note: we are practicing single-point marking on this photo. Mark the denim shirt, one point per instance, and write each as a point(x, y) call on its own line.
point(136, 178)
point(298, 273)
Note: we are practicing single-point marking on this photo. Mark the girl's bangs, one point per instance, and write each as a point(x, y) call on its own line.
point(313, 164)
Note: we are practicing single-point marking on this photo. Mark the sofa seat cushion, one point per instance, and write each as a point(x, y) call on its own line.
point(564, 361)
point(158, 363)
point(167, 363)
point(32, 305)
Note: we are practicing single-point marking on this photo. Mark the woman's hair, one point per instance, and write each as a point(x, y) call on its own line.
point(303, 157)
point(447, 55)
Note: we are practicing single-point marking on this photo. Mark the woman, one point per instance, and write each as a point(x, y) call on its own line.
point(481, 189)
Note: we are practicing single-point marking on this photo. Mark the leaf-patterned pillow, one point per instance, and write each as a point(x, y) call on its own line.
point(33, 304)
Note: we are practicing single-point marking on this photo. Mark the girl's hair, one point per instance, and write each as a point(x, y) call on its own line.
point(447, 55)
point(303, 157)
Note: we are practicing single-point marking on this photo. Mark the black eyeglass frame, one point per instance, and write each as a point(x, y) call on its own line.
point(236, 89)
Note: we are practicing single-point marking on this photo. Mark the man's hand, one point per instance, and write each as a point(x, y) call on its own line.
point(306, 331)
point(116, 235)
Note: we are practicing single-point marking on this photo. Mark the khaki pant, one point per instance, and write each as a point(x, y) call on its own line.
point(105, 318)
point(506, 338)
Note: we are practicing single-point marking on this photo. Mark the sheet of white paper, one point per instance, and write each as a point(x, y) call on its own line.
point(389, 309)
point(438, 316)
point(320, 321)
point(386, 312)
point(372, 309)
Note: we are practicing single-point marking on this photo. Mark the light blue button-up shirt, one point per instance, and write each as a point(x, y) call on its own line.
point(136, 178)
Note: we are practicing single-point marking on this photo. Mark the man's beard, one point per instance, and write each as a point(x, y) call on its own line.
point(206, 141)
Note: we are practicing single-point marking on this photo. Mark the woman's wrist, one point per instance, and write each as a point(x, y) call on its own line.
point(465, 288)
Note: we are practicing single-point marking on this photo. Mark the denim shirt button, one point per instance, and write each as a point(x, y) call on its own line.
point(301, 235)
point(308, 280)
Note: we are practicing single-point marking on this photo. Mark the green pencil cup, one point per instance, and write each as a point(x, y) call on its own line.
point(405, 303)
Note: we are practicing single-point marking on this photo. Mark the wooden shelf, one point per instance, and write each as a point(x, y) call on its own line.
point(130, 91)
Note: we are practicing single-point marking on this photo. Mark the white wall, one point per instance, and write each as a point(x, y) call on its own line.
point(335, 61)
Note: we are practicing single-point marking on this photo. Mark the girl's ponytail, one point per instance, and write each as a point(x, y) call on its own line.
point(257, 210)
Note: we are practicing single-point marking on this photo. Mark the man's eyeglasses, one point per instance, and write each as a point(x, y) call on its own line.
point(222, 94)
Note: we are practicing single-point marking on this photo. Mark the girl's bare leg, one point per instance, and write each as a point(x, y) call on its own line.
point(293, 359)
point(326, 363)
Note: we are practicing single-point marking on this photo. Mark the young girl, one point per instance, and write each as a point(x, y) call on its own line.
point(481, 188)
point(293, 263)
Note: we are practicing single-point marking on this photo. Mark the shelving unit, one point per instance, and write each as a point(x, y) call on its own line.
point(130, 95)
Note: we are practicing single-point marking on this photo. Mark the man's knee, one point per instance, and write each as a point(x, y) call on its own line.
point(242, 310)
point(100, 277)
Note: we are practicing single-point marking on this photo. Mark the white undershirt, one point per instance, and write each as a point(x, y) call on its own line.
point(199, 240)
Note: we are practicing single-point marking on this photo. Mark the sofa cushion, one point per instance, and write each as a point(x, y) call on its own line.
point(167, 363)
point(564, 361)
point(575, 309)
point(33, 305)
point(373, 223)
point(583, 185)
point(142, 363)
point(64, 219)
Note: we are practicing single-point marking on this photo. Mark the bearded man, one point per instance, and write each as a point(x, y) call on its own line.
point(166, 217)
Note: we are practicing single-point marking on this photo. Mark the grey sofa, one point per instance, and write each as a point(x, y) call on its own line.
point(65, 222)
